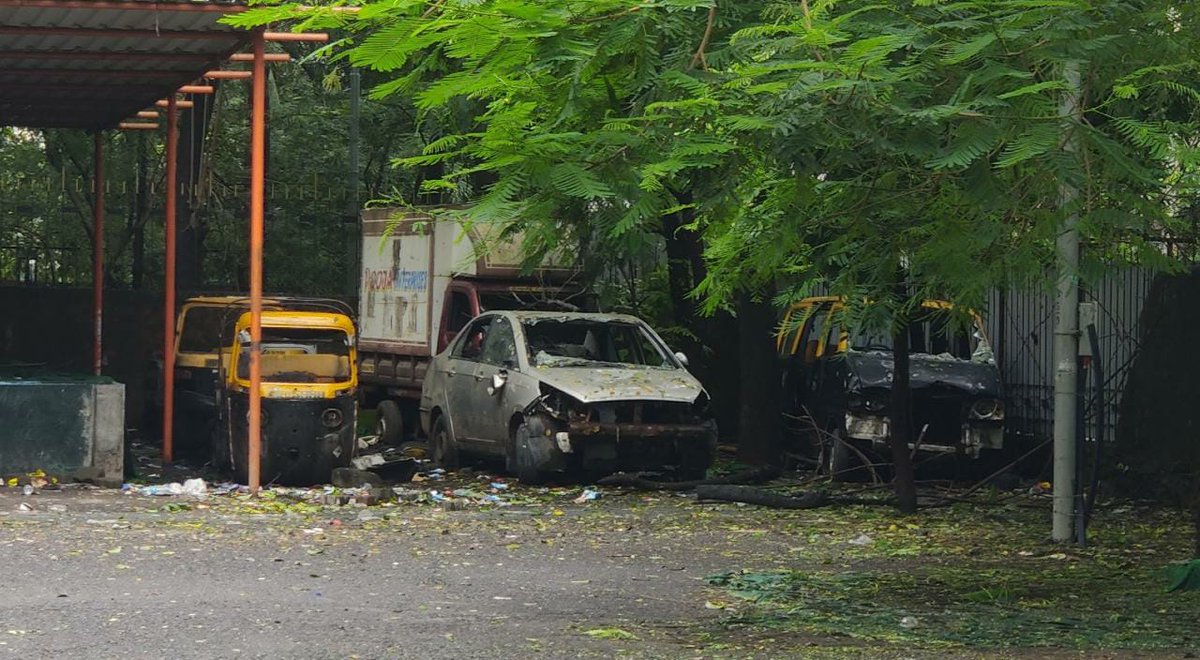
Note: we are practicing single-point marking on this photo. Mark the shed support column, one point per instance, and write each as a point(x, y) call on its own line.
point(257, 174)
point(98, 255)
point(168, 430)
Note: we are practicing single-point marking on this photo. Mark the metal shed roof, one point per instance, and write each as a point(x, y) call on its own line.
point(93, 63)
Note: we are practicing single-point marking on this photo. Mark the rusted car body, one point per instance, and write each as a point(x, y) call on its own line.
point(837, 383)
point(556, 393)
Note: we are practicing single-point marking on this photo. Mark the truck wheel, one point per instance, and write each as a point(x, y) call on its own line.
point(521, 459)
point(442, 445)
point(389, 423)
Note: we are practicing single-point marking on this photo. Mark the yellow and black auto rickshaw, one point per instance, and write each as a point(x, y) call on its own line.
point(203, 336)
point(309, 388)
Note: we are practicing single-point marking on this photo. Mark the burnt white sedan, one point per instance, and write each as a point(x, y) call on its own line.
point(567, 393)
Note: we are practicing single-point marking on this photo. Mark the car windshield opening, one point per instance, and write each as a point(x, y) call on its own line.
point(204, 327)
point(300, 355)
point(577, 342)
point(931, 333)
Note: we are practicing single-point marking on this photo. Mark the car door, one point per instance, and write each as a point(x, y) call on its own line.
point(459, 376)
point(490, 404)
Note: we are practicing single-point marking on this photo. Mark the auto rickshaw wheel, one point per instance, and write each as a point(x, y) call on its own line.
point(442, 445)
point(389, 423)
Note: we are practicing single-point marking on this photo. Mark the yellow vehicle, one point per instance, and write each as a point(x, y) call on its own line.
point(309, 387)
point(203, 338)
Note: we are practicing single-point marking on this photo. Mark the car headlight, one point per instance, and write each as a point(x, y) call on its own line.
point(989, 409)
point(873, 403)
point(332, 418)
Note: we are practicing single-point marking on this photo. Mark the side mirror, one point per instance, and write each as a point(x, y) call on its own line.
point(499, 380)
point(682, 357)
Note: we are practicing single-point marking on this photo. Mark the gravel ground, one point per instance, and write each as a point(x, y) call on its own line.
point(98, 573)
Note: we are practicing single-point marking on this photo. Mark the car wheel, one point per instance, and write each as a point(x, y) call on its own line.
point(520, 458)
point(389, 423)
point(442, 445)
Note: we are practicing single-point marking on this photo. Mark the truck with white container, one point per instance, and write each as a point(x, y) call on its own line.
point(425, 274)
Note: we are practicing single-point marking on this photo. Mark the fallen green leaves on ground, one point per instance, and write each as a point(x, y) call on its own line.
point(976, 578)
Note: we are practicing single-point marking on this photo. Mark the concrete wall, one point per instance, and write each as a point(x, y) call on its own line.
point(52, 326)
point(64, 428)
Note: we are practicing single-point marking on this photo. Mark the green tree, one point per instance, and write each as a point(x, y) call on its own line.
point(889, 152)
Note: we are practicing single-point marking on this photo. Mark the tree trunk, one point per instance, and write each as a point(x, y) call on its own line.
point(685, 261)
point(901, 408)
point(759, 400)
point(714, 356)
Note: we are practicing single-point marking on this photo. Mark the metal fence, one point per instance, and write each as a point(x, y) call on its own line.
point(1021, 327)
point(44, 265)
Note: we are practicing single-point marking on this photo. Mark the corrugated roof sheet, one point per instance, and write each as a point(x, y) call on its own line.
point(93, 63)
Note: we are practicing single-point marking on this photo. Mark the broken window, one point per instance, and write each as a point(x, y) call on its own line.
point(553, 342)
point(932, 332)
point(470, 344)
point(300, 355)
point(499, 348)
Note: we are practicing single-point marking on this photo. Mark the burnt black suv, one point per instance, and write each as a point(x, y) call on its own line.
point(837, 384)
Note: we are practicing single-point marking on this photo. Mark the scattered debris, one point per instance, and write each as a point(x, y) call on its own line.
point(195, 488)
point(908, 622)
point(155, 490)
point(348, 477)
point(751, 476)
point(390, 465)
point(862, 540)
point(587, 495)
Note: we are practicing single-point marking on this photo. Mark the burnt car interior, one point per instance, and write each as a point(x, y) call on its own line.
point(933, 332)
point(560, 343)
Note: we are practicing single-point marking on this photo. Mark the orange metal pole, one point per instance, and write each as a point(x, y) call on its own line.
point(258, 118)
point(227, 75)
point(137, 126)
point(319, 37)
point(182, 105)
point(147, 114)
point(196, 89)
point(98, 255)
point(168, 429)
point(269, 57)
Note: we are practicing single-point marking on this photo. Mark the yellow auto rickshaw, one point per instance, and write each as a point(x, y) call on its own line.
point(309, 390)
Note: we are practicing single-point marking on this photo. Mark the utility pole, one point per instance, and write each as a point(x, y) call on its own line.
point(353, 236)
point(1066, 329)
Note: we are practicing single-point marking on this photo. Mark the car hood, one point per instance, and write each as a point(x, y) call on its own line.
point(592, 384)
point(875, 369)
